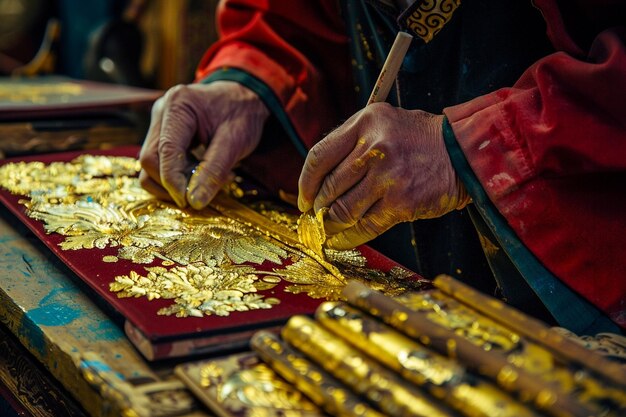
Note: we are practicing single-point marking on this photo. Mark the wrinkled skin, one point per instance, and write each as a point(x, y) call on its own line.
point(383, 166)
point(224, 116)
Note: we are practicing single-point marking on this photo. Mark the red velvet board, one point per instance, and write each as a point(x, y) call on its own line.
point(168, 336)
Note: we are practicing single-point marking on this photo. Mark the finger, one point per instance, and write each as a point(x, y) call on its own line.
point(178, 128)
point(348, 209)
point(347, 174)
point(378, 220)
point(321, 160)
point(153, 187)
point(149, 154)
point(216, 166)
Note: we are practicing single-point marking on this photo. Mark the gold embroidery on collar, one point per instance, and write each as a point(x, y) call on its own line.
point(429, 17)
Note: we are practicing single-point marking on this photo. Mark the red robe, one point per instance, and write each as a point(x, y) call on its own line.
point(550, 151)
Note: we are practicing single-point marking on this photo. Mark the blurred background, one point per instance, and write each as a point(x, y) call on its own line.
point(143, 43)
point(83, 74)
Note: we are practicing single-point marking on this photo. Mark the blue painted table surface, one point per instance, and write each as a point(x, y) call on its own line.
point(45, 307)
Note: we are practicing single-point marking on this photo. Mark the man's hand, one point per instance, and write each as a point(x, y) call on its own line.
point(383, 166)
point(225, 115)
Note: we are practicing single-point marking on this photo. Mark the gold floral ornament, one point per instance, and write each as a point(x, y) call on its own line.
point(197, 289)
point(89, 225)
point(220, 238)
point(96, 202)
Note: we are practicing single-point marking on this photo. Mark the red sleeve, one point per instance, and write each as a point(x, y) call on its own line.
point(550, 153)
point(298, 48)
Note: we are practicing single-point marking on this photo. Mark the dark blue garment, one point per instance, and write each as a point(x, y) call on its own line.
point(485, 46)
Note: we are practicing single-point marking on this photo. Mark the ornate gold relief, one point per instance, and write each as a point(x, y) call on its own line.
point(96, 202)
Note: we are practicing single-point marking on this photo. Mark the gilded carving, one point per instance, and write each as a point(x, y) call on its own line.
point(194, 258)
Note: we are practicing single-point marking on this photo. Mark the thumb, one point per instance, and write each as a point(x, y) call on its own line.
point(374, 223)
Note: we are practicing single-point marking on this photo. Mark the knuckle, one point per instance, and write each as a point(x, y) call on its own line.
point(342, 213)
point(329, 187)
point(179, 100)
point(369, 227)
point(315, 156)
point(386, 147)
point(167, 148)
point(157, 108)
point(146, 161)
point(176, 91)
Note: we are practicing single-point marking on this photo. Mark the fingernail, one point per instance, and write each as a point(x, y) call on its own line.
point(198, 198)
point(303, 205)
point(179, 200)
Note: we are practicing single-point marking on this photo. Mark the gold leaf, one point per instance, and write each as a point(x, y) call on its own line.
point(311, 230)
point(137, 255)
point(276, 214)
point(263, 286)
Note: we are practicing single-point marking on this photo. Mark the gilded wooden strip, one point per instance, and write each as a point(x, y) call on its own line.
point(442, 377)
point(493, 351)
point(363, 375)
point(319, 386)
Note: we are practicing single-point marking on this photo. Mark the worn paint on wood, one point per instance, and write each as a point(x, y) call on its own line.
point(81, 346)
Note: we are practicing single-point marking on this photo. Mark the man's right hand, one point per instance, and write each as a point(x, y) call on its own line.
point(224, 115)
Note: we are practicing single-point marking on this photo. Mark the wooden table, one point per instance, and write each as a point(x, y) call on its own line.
point(49, 313)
